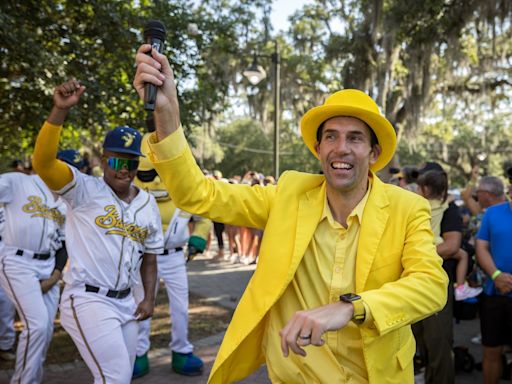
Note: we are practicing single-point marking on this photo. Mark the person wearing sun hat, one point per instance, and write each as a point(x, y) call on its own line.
point(346, 261)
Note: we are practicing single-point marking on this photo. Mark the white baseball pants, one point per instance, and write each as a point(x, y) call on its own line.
point(7, 313)
point(19, 277)
point(172, 270)
point(104, 330)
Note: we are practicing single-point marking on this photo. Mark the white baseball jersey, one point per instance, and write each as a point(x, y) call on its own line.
point(2, 226)
point(33, 215)
point(2, 219)
point(177, 233)
point(105, 236)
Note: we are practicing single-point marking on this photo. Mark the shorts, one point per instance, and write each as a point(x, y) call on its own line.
point(496, 320)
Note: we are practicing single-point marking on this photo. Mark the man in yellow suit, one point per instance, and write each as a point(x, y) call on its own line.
point(347, 262)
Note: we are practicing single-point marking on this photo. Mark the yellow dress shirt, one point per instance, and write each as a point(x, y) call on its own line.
point(326, 271)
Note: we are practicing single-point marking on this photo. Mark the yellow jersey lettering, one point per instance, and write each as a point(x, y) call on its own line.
point(116, 226)
point(36, 208)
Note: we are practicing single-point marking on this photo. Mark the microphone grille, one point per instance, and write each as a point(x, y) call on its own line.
point(154, 28)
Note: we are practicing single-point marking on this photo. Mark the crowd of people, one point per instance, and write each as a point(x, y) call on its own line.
point(345, 260)
point(243, 242)
point(465, 230)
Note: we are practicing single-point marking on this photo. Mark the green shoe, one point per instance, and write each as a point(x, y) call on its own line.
point(141, 366)
point(187, 364)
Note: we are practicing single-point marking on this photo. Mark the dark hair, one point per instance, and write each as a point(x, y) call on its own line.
point(437, 182)
point(373, 137)
point(410, 174)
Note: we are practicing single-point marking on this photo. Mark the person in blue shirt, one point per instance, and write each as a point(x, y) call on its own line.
point(495, 258)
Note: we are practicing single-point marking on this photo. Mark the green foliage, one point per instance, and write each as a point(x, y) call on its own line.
point(46, 42)
point(438, 69)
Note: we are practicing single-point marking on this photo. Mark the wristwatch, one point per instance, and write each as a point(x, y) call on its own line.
point(359, 310)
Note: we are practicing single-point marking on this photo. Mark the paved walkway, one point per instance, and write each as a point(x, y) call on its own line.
point(223, 284)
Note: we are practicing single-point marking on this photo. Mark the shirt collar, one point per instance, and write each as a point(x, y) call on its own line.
point(356, 212)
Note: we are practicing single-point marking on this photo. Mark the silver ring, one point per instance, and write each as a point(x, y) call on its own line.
point(305, 337)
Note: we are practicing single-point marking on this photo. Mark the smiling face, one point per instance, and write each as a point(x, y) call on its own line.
point(118, 180)
point(346, 153)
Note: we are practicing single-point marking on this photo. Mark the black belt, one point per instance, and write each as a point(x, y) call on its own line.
point(37, 256)
point(111, 293)
point(167, 251)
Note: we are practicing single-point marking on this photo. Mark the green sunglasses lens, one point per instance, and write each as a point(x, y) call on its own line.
point(118, 164)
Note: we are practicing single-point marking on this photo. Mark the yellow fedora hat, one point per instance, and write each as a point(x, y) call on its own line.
point(352, 103)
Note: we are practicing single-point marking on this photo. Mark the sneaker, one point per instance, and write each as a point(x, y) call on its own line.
point(187, 364)
point(141, 366)
point(248, 261)
point(7, 354)
point(463, 292)
point(235, 259)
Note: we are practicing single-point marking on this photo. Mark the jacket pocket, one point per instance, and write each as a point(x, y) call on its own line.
point(406, 354)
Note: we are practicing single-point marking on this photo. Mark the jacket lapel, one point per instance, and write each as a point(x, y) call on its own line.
point(375, 217)
point(310, 210)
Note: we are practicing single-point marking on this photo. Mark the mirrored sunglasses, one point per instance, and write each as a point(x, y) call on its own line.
point(118, 164)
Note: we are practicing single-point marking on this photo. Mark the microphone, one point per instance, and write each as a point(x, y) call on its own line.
point(154, 34)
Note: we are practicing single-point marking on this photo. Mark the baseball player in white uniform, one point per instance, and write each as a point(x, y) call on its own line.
point(113, 229)
point(31, 238)
point(7, 309)
point(172, 270)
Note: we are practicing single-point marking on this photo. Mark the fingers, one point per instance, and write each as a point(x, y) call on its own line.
point(164, 62)
point(316, 337)
point(147, 73)
point(294, 335)
point(155, 64)
point(70, 87)
point(143, 311)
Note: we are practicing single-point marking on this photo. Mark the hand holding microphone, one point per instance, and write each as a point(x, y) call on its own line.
point(154, 34)
point(154, 72)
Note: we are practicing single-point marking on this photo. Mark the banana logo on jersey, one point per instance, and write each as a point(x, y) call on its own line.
point(116, 226)
point(37, 208)
point(77, 158)
point(128, 139)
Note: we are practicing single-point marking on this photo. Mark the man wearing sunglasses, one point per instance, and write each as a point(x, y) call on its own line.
point(113, 230)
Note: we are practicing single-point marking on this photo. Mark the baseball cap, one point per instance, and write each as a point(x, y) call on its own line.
point(123, 139)
point(72, 157)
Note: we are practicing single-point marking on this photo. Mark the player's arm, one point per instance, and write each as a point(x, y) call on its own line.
point(61, 258)
point(149, 276)
point(55, 173)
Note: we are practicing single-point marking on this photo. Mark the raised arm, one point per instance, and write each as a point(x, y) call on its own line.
point(55, 173)
point(156, 70)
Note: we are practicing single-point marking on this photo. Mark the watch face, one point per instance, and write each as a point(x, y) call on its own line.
point(349, 297)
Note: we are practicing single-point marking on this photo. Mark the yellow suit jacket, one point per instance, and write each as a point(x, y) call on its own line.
point(398, 272)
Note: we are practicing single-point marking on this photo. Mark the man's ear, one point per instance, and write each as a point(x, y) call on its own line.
point(375, 153)
point(317, 145)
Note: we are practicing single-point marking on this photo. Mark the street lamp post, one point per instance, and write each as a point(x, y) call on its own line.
point(255, 74)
